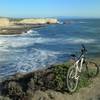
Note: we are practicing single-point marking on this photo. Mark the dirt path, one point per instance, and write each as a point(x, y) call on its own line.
point(91, 92)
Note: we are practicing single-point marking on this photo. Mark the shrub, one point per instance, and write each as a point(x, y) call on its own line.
point(84, 80)
point(31, 87)
point(60, 72)
point(4, 98)
point(13, 89)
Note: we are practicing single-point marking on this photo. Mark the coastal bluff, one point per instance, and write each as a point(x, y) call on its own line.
point(4, 22)
point(8, 22)
point(39, 21)
point(10, 26)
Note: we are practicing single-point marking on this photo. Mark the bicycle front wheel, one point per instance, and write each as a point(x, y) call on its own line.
point(92, 69)
point(72, 83)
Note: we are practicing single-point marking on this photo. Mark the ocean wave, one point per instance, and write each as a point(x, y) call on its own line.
point(37, 58)
point(30, 33)
point(82, 22)
point(29, 61)
point(26, 41)
point(80, 40)
point(22, 41)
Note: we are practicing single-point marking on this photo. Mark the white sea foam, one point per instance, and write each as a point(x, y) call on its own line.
point(21, 41)
point(30, 33)
point(29, 61)
point(35, 60)
point(27, 33)
point(6, 42)
point(83, 22)
point(80, 40)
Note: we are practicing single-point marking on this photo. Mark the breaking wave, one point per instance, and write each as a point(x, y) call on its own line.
point(8, 42)
point(29, 61)
point(37, 59)
point(80, 40)
point(30, 33)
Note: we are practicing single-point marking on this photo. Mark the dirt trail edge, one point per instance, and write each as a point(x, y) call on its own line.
point(92, 92)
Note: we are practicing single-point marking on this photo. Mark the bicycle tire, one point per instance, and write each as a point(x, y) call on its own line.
point(71, 71)
point(92, 69)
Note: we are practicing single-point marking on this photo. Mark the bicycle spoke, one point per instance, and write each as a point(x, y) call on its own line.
point(93, 69)
point(71, 81)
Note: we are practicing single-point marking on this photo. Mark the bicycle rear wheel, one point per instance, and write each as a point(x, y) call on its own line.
point(92, 69)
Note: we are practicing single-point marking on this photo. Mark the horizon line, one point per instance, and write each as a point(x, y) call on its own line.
point(76, 17)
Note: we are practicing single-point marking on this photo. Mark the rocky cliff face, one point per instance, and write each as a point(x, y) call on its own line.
point(4, 22)
point(16, 26)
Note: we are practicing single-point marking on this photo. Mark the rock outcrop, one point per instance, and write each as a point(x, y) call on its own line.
point(4, 22)
point(39, 21)
point(10, 26)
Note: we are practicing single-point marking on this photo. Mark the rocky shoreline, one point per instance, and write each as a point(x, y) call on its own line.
point(24, 86)
point(46, 84)
point(10, 27)
point(17, 29)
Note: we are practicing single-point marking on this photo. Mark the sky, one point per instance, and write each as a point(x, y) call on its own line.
point(50, 8)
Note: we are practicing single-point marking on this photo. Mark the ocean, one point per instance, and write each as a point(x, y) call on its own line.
point(53, 44)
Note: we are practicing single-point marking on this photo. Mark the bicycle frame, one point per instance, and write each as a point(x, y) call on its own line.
point(78, 65)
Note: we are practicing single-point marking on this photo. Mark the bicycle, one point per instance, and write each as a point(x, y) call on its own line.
point(75, 70)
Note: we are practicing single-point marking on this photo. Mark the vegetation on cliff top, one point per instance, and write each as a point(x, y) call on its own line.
point(14, 21)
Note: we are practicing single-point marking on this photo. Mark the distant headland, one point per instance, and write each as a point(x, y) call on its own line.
point(9, 26)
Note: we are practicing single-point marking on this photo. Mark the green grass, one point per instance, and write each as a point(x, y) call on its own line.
point(60, 72)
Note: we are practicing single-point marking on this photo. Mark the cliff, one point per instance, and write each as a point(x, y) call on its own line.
point(39, 21)
point(4, 22)
point(17, 26)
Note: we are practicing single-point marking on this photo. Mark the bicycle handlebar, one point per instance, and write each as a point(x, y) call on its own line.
point(83, 49)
